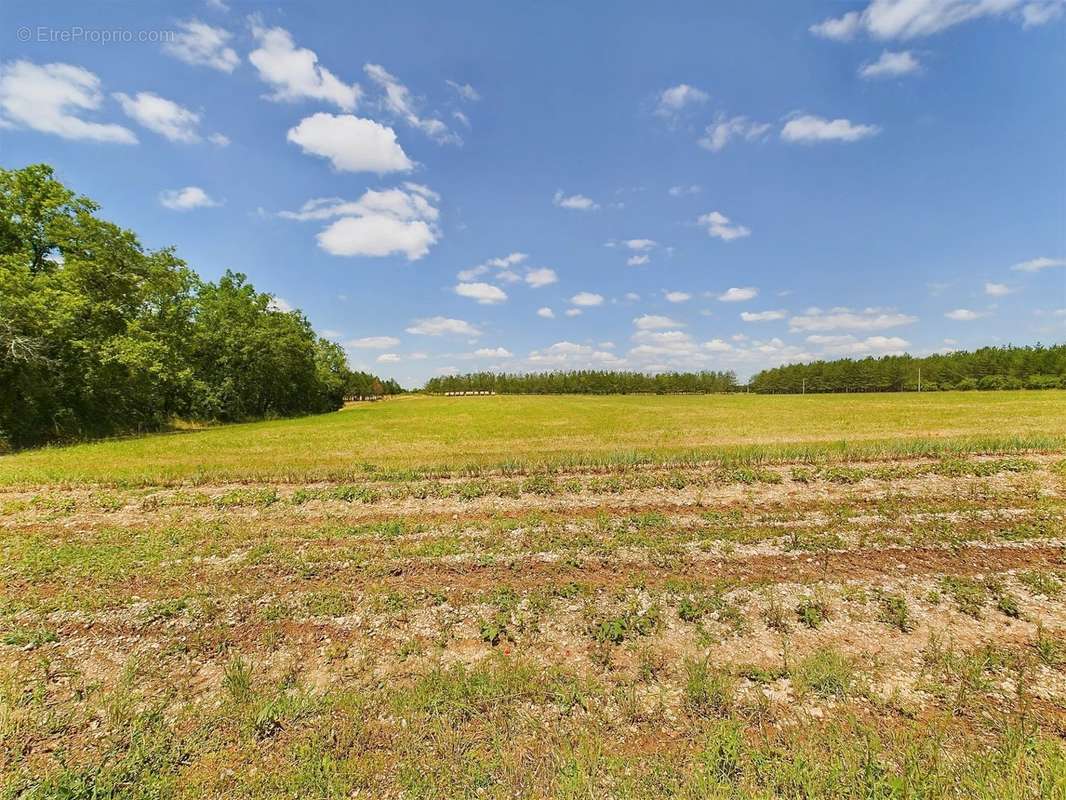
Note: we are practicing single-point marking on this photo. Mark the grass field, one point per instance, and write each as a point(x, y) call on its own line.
point(568, 597)
point(435, 435)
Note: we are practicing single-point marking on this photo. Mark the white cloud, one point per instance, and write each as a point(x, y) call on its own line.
point(762, 316)
point(186, 199)
point(379, 223)
point(493, 352)
point(719, 133)
point(577, 202)
point(639, 244)
point(869, 319)
point(848, 345)
point(440, 326)
point(389, 358)
point(840, 29)
point(295, 72)
point(352, 144)
point(632, 296)
point(651, 322)
point(218, 139)
point(677, 297)
point(465, 91)
point(809, 129)
point(997, 289)
point(1040, 13)
point(719, 226)
point(891, 65)
point(373, 343)
point(573, 312)
point(673, 101)
point(572, 354)
point(542, 276)
point(48, 98)
point(280, 304)
point(909, 19)
point(738, 294)
point(717, 346)
point(964, 315)
point(200, 44)
point(510, 260)
point(165, 117)
point(399, 101)
point(484, 293)
point(637, 260)
point(502, 264)
point(546, 313)
point(1037, 264)
point(682, 191)
point(587, 299)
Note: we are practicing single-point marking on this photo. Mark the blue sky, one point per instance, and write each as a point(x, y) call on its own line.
point(560, 185)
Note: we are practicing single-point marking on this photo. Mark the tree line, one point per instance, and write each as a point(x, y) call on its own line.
point(1034, 367)
point(585, 382)
point(99, 336)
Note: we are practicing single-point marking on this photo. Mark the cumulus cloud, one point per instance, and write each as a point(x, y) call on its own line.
point(165, 117)
point(484, 293)
point(574, 355)
point(964, 314)
point(763, 316)
point(738, 294)
point(399, 101)
point(442, 326)
point(372, 343)
point(186, 199)
point(541, 276)
point(910, 19)
point(203, 45)
point(576, 202)
point(725, 129)
point(719, 226)
point(48, 98)
point(352, 144)
point(493, 352)
point(677, 297)
point(637, 260)
point(869, 319)
point(587, 299)
point(848, 345)
point(652, 322)
point(639, 244)
point(810, 129)
point(546, 313)
point(891, 65)
point(294, 72)
point(503, 264)
point(671, 102)
point(379, 223)
point(1037, 264)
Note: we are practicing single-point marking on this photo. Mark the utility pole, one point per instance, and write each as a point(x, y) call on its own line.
point(919, 379)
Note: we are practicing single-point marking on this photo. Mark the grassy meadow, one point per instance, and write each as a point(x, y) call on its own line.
point(642, 598)
point(435, 434)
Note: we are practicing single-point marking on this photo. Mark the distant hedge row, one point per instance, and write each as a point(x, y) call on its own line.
point(1036, 367)
point(989, 368)
point(585, 382)
point(99, 336)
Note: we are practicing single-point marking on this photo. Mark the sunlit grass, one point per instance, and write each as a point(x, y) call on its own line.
point(435, 435)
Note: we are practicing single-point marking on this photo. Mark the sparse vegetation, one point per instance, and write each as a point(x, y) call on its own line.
point(759, 622)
